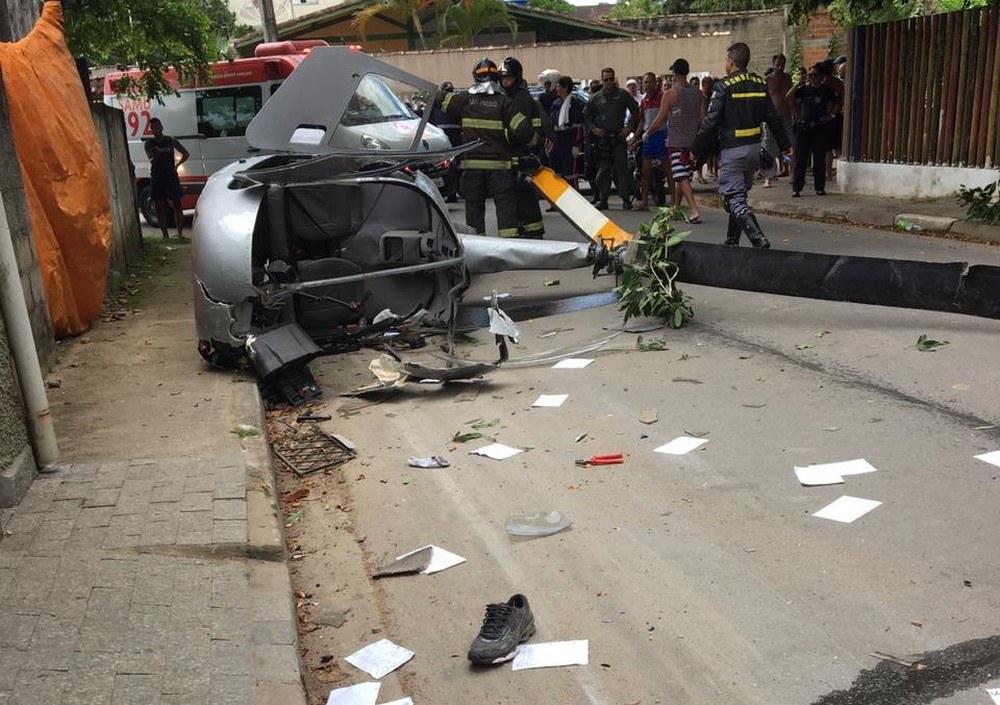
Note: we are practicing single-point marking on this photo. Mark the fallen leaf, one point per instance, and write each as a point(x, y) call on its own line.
point(925, 344)
point(296, 495)
point(465, 437)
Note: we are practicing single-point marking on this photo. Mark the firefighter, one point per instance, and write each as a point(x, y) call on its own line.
point(488, 115)
point(529, 214)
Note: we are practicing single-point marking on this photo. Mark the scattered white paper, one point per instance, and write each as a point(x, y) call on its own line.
point(440, 559)
point(847, 509)
point(380, 659)
point(360, 694)
point(573, 363)
point(994, 693)
point(403, 701)
point(831, 473)
point(991, 458)
point(681, 445)
point(554, 653)
point(497, 451)
point(551, 400)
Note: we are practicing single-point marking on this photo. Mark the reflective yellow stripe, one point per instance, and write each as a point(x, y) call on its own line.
point(507, 232)
point(761, 94)
point(749, 132)
point(517, 120)
point(532, 227)
point(536, 122)
point(446, 101)
point(482, 124)
point(484, 164)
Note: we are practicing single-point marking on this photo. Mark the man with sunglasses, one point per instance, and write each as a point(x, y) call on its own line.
point(605, 116)
point(739, 104)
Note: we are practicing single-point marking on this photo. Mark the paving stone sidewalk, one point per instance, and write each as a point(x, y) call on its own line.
point(155, 579)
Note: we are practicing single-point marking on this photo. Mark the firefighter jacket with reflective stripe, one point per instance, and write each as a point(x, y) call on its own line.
point(492, 118)
point(738, 106)
point(527, 105)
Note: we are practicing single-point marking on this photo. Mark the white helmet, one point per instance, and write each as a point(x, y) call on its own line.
point(548, 76)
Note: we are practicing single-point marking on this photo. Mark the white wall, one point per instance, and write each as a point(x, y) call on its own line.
point(248, 11)
point(909, 180)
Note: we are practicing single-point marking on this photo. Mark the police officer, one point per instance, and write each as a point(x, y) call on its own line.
point(487, 114)
point(529, 214)
point(739, 105)
point(605, 116)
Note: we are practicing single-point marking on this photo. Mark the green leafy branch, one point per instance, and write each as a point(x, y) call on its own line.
point(648, 286)
point(981, 203)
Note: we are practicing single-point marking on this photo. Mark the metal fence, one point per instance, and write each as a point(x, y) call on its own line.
point(926, 90)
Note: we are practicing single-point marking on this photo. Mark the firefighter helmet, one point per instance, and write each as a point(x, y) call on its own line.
point(511, 67)
point(485, 71)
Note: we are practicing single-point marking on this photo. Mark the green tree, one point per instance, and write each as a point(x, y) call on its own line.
point(849, 12)
point(631, 9)
point(460, 23)
point(408, 9)
point(553, 6)
point(152, 35)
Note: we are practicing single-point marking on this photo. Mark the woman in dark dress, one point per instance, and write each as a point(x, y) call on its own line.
point(567, 146)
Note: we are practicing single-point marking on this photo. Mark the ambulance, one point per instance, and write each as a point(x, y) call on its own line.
point(210, 120)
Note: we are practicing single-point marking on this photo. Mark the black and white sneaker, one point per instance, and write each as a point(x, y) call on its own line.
point(504, 627)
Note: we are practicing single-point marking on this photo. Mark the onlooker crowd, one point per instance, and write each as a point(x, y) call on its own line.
point(655, 134)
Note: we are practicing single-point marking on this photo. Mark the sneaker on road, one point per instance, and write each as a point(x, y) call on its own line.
point(504, 627)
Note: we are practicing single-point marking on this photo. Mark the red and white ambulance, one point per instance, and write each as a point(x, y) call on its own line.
point(211, 119)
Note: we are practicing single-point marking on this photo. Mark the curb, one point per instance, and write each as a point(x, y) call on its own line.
point(275, 632)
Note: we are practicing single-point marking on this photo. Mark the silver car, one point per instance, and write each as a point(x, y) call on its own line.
point(329, 230)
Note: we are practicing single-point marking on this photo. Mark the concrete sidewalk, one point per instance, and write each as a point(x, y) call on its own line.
point(937, 216)
point(149, 566)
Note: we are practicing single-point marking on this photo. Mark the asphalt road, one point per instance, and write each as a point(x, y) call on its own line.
point(700, 578)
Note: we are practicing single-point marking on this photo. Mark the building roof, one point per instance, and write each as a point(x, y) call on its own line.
point(544, 26)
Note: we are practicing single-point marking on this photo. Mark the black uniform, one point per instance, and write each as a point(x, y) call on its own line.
point(487, 114)
point(813, 134)
point(738, 106)
point(529, 214)
point(608, 110)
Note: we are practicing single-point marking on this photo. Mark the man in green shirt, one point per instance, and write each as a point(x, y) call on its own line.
point(605, 119)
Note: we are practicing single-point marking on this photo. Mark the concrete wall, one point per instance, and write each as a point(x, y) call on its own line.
point(909, 180)
point(17, 17)
point(16, 207)
point(126, 246)
point(17, 462)
point(766, 32)
point(581, 60)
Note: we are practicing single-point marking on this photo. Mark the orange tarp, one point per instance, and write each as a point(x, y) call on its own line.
point(62, 165)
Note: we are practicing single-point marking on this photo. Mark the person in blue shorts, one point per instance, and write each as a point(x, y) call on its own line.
point(652, 134)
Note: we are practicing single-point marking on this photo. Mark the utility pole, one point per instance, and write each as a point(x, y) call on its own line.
point(270, 26)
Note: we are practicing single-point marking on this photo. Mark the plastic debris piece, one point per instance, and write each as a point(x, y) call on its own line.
point(538, 523)
point(501, 324)
point(433, 461)
point(649, 416)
